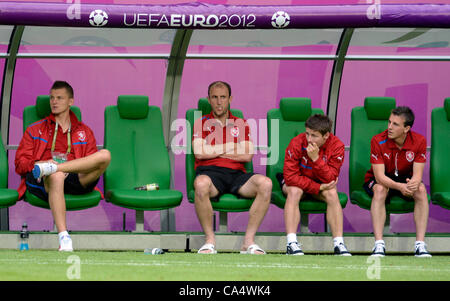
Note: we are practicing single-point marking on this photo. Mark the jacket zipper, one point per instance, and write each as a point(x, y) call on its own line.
point(396, 169)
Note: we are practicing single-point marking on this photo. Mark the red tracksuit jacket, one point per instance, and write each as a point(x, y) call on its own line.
point(299, 170)
point(35, 139)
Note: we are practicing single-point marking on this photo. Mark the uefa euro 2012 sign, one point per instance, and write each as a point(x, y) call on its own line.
point(196, 15)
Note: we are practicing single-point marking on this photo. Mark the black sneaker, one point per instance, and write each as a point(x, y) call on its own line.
point(293, 248)
point(280, 179)
point(379, 250)
point(421, 250)
point(341, 250)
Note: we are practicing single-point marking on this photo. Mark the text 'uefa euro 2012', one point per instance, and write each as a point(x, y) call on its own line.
point(182, 20)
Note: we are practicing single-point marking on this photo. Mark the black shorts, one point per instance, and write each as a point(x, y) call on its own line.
point(72, 185)
point(368, 187)
point(226, 180)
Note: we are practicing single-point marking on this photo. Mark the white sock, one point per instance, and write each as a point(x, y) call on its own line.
point(291, 237)
point(62, 234)
point(338, 240)
point(419, 242)
point(49, 168)
point(45, 169)
point(379, 242)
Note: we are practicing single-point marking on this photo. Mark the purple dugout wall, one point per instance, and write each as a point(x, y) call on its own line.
point(257, 87)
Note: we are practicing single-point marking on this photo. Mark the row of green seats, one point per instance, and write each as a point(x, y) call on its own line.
point(134, 136)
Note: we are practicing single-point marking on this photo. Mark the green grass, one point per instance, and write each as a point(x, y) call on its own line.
point(180, 266)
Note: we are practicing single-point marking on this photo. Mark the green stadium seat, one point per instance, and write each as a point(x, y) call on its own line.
point(34, 113)
point(227, 202)
point(367, 121)
point(439, 159)
point(134, 136)
point(8, 197)
point(283, 124)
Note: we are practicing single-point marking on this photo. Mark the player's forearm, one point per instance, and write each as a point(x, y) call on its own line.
point(23, 166)
point(306, 184)
point(388, 182)
point(203, 151)
point(207, 152)
point(241, 148)
point(241, 152)
point(238, 157)
point(24, 160)
point(324, 173)
point(417, 172)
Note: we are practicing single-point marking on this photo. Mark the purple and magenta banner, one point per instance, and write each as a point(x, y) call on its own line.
point(211, 16)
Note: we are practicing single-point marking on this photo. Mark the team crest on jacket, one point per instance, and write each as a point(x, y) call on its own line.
point(409, 156)
point(234, 132)
point(81, 135)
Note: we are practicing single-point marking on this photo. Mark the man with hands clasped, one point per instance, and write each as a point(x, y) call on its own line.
point(398, 157)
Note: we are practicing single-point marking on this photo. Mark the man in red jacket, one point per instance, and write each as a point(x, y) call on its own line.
point(311, 167)
point(398, 157)
point(58, 155)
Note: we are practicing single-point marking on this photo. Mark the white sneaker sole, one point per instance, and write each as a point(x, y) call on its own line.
point(65, 250)
point(423, 256)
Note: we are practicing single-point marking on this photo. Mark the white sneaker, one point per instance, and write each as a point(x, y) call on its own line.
point(65, 244)
point(421, 250)
point(43, 169)
point(341, 250)
point(294, 248)
point(379, 250)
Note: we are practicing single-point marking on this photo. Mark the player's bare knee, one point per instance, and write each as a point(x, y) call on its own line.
point(57, 177)
point(54, 181)
point(421, 194)
point(294, 192)
point(330, 196)
point(105, 157)
point(264, 185)
point(202, 185)
point(380, 191)
point(422, 189)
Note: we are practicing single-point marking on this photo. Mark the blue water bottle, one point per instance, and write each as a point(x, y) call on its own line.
point(24, 235)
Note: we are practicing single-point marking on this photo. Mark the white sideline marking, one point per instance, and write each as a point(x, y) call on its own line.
point(157, 262)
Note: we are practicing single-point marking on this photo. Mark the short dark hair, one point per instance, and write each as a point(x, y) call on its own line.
point(60, 84)
point(219, 84)
point(320, 123)
point(406, 113)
